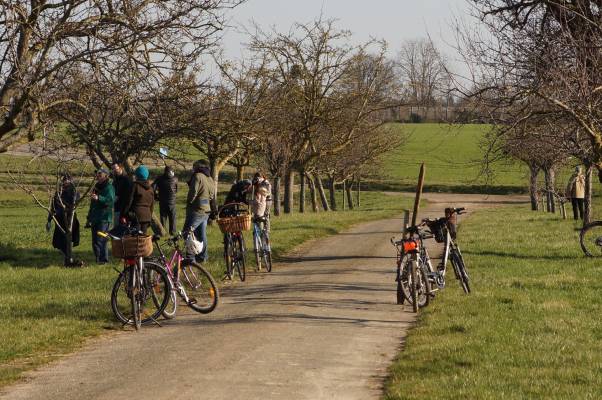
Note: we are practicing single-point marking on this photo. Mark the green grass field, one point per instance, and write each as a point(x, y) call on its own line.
point(48, 310)
point(453, 158)
point(531, 327)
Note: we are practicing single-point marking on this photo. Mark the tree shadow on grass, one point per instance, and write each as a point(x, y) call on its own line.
point(36, 257)
point(520, 256)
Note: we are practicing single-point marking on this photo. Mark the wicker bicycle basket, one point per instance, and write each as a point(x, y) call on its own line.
point(132, 247)
point(235, 224)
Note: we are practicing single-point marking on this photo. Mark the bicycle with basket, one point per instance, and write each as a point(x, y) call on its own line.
point(142, 290)
point(233, 219)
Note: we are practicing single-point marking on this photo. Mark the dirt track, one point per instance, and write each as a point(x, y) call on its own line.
point(323, 325)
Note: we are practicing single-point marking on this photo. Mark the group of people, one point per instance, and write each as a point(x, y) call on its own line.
point(117, 200)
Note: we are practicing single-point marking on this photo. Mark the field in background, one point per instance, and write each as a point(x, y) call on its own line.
point(530, 328)
point(48, 310)
point(454, 161)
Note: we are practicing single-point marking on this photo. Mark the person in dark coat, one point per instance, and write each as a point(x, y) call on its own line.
point(139, 206)
point(63, 204)
point(101, 214)
point(122, 185)
point(165, 188)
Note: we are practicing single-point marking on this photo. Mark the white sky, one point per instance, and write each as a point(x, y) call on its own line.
point(392, 20)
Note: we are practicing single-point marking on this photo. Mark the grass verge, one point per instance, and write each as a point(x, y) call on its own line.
point(530, 329)
point(48, 310)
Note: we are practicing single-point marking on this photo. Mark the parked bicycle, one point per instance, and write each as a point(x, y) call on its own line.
point(142, 290)
point(590, 239)
point(421, 284)
point(189, 280)
point(233, 219)
point(261, 242)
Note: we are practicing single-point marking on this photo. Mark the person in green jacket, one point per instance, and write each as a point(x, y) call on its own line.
point(100, 215)
point(199, 204)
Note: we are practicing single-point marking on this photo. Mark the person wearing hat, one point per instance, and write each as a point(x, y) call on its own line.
point(166, 187)
point(200, 202)
point(139, 206)
point(100, 215)
point(575, 191)
point(62, 208)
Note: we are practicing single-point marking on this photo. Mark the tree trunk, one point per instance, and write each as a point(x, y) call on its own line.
point(312, 193)
point(289, 181)
point(550, 178)
point(587, 201)
point(344, 193)
point(324, 201)
point(534, 172)
point(359, 191)
point(333, 194)
point(302, 191)
point(348, 191)
point(276, 195)
point(240, 171)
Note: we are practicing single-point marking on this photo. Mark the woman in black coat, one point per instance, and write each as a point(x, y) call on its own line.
point(64, 202)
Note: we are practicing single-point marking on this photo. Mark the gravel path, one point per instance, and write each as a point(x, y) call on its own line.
point(323, 325)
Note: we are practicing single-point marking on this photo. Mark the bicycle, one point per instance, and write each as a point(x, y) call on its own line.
point(193, 283)
point(140, 281)
point(233, 219)
point(590, 239)
point(412, 279)
point(261, 242)
point(444, 231)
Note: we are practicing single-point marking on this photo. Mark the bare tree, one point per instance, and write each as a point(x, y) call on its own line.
point(40, 38)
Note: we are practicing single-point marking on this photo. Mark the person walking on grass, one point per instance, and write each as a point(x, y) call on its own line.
point(122, 185)
point(166, 188)
point(61, 211)
point(100, 215)
point(138, 208)
point(575, 191)
point(200, 203)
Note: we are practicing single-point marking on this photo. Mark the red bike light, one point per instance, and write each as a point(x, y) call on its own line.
point(130, 261)
point(410, 246)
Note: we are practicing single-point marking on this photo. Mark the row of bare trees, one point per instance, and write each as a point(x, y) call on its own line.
point(535, 71)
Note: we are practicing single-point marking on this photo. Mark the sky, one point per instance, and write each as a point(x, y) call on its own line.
point(392, 20)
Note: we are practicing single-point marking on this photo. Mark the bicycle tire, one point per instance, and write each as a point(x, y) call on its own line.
point(400, 294)
point(267, 252)
point(240, 257)
point(200, 287)
point(257, 246)
point(590, 239)
point(460, 269)
point(136, 297)
point(121, 298)
point(423, 283)
point(229, 257)
point(414, 284)
point(171, 308)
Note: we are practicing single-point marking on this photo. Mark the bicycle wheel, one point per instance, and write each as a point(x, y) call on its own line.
point(229, 256)
point(460, 269)
point(257, 249)
point(135, 299)
point(239, 257)
point(200, 287)
point(423, 286)
point(590, 239)
point(267, 252)
point(414, 284)
point(400, 294)
point(171, 308)
point(154, 291)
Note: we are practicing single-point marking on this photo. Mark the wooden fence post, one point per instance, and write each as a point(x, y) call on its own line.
point(418, 194)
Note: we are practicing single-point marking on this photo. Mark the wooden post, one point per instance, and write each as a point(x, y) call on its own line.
point(418, 194)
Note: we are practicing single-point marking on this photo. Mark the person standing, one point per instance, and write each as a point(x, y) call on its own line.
point(200, 202)
point(100, 215)
point(575, 191)
point(122, 185)
point(138, 207)
point(66, 226)
point(166, 188)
